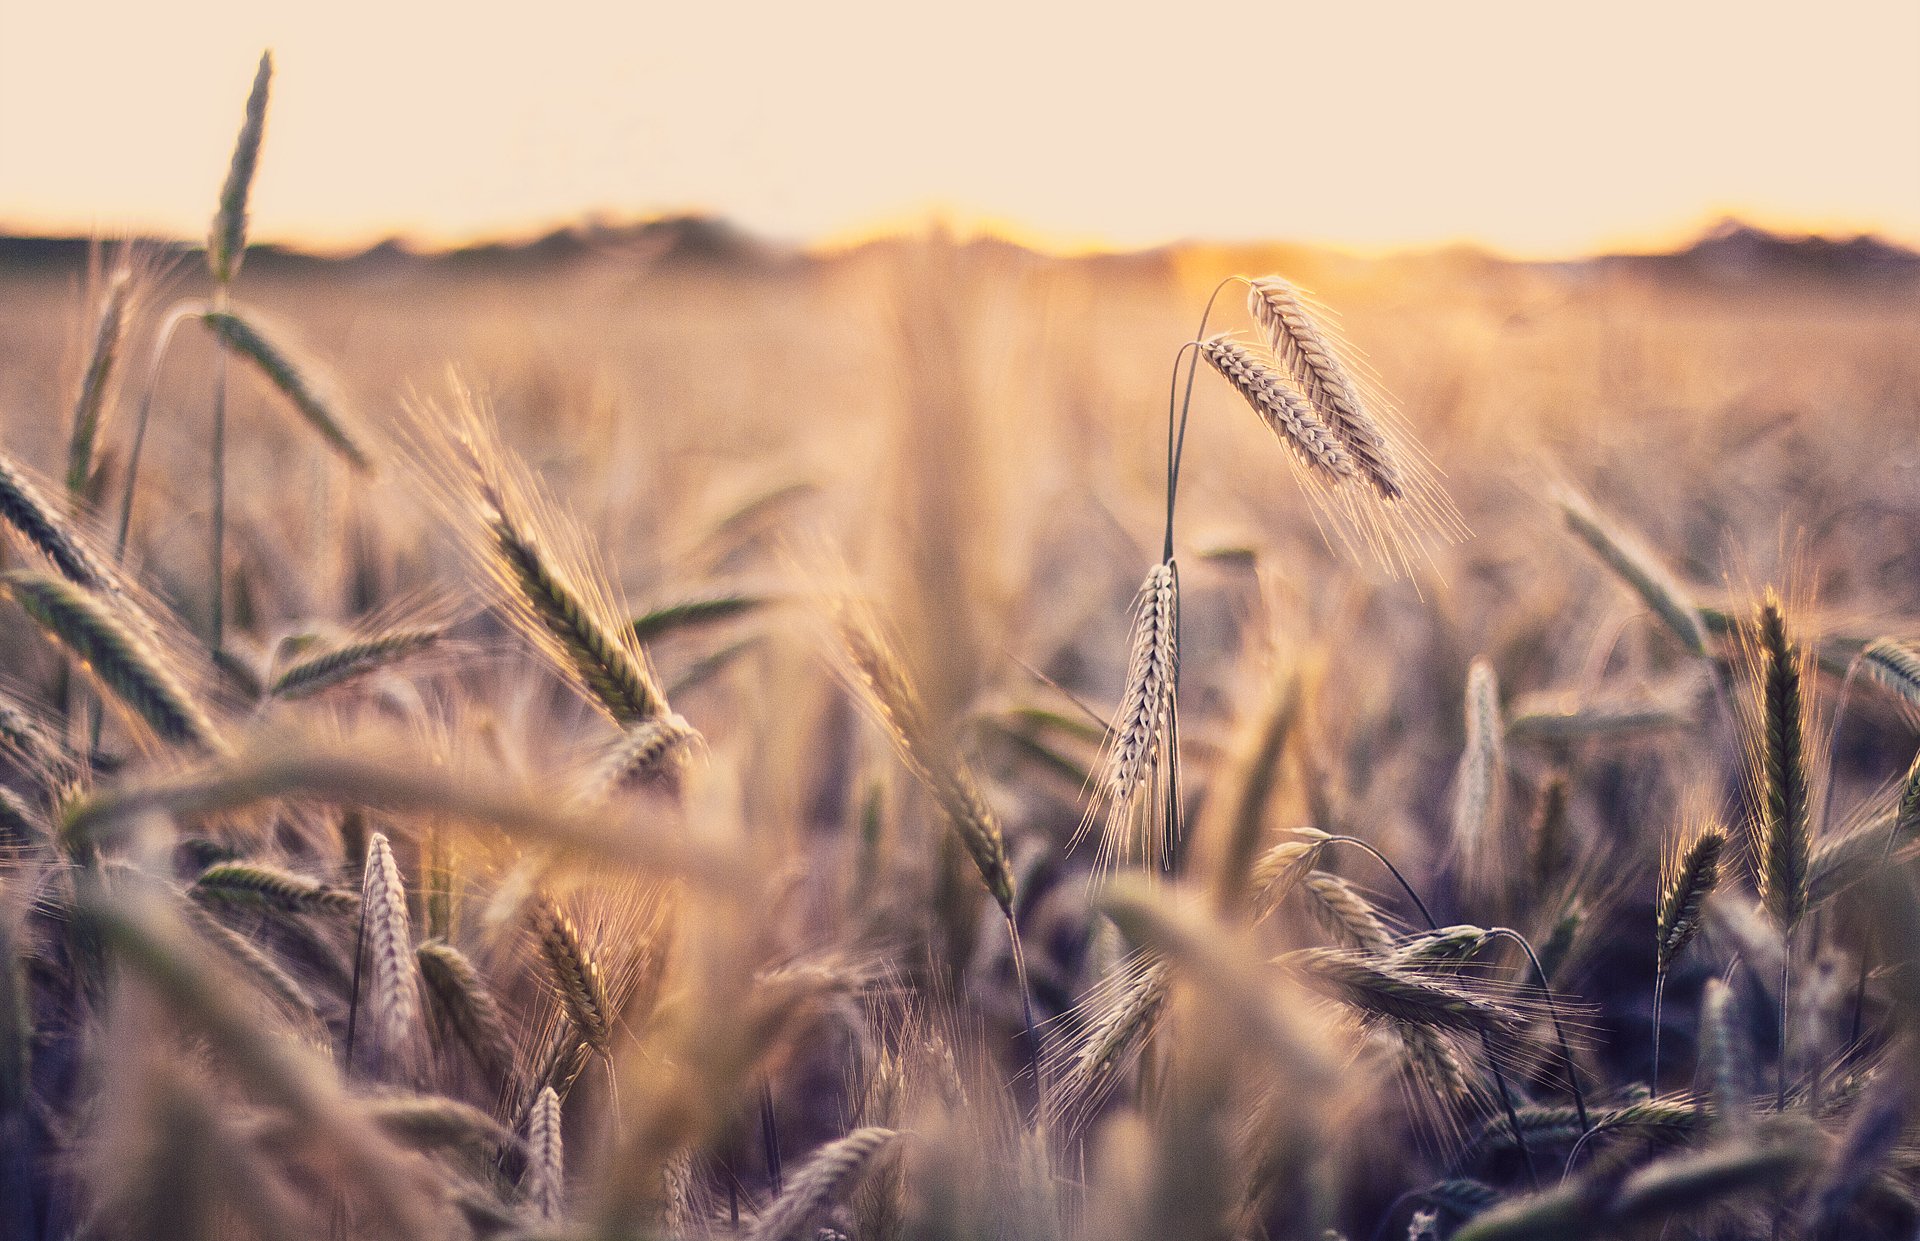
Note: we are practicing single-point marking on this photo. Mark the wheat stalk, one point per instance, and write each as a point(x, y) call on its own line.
point(536, 563)
point(1345, 914)
point(645, 751)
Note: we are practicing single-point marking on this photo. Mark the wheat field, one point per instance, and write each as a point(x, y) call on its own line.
point(651, 738)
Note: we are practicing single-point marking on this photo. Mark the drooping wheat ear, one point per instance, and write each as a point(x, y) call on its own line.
point(536, 564)
point(227, 238)
point(1480, 784)
point(1643, 572)
point(827, 1177)
point(1601, 1204)
point(1139, 750)
point(388, 940)
point(291, 377)
point(24, 506)
point(1691, 874)
point(575, 974)
point(90, 406)
point(21, 826)
point(30, 741)
point(350, 662)
point(1119, 1027)
point(880, 676)
point(693, 613)
point(1724, 1076)
point(434, 1123)
point(464, 1003)
point(1316, 369)
point(1286, 413)
point(546, 1159)
point(262, 969)
point(1373, 986)
point(269, 887)
point(1895, 663)
point(1431, 1061)
point(1277, 870)
point(1345, 914)
point(649, 748)
point(1783, 842)
point(119, 660)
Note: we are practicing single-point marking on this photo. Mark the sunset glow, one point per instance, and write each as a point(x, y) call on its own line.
point(1539, 130)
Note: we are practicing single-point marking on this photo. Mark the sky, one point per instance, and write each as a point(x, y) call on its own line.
point(1539, 129)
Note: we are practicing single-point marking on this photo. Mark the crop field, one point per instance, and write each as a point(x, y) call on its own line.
point(652, 735)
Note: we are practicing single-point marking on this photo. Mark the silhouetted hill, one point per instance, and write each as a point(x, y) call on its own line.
point(1732, 251)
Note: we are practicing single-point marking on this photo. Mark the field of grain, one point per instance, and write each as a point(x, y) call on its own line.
point(677, 746)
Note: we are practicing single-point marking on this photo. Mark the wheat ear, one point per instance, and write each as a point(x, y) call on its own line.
point(464, 1003)
point(546, 1158)
point(1479, 793)
point(95, 381)
point(880, 676)
point(1895, 663)
point(25, 507)
point(388, 946)
point(227, 238)
point(269, 887)
point(575, 975)
point(351, 661)
point(1782, 845)
point(823, 1181)
point(1139, 757)
point(118, 659)
point(1316, 369)
point(1286, 413)
point(292, 378)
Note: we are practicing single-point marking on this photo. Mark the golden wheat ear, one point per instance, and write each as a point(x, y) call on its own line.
point(535, 565)
point(1138, 771)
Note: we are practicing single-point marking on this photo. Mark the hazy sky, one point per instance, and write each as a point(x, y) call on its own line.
point(1540, 127)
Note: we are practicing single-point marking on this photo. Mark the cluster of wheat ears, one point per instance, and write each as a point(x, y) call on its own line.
point(292, 947)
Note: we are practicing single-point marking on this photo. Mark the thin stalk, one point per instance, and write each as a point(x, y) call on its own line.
point(1032, 1030)
point(1786, 980)
point(1553, 1014)
point(175, 317)
point(1177, 443)
point(1659, 994)
point(218, 537)
point(770, 1139)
